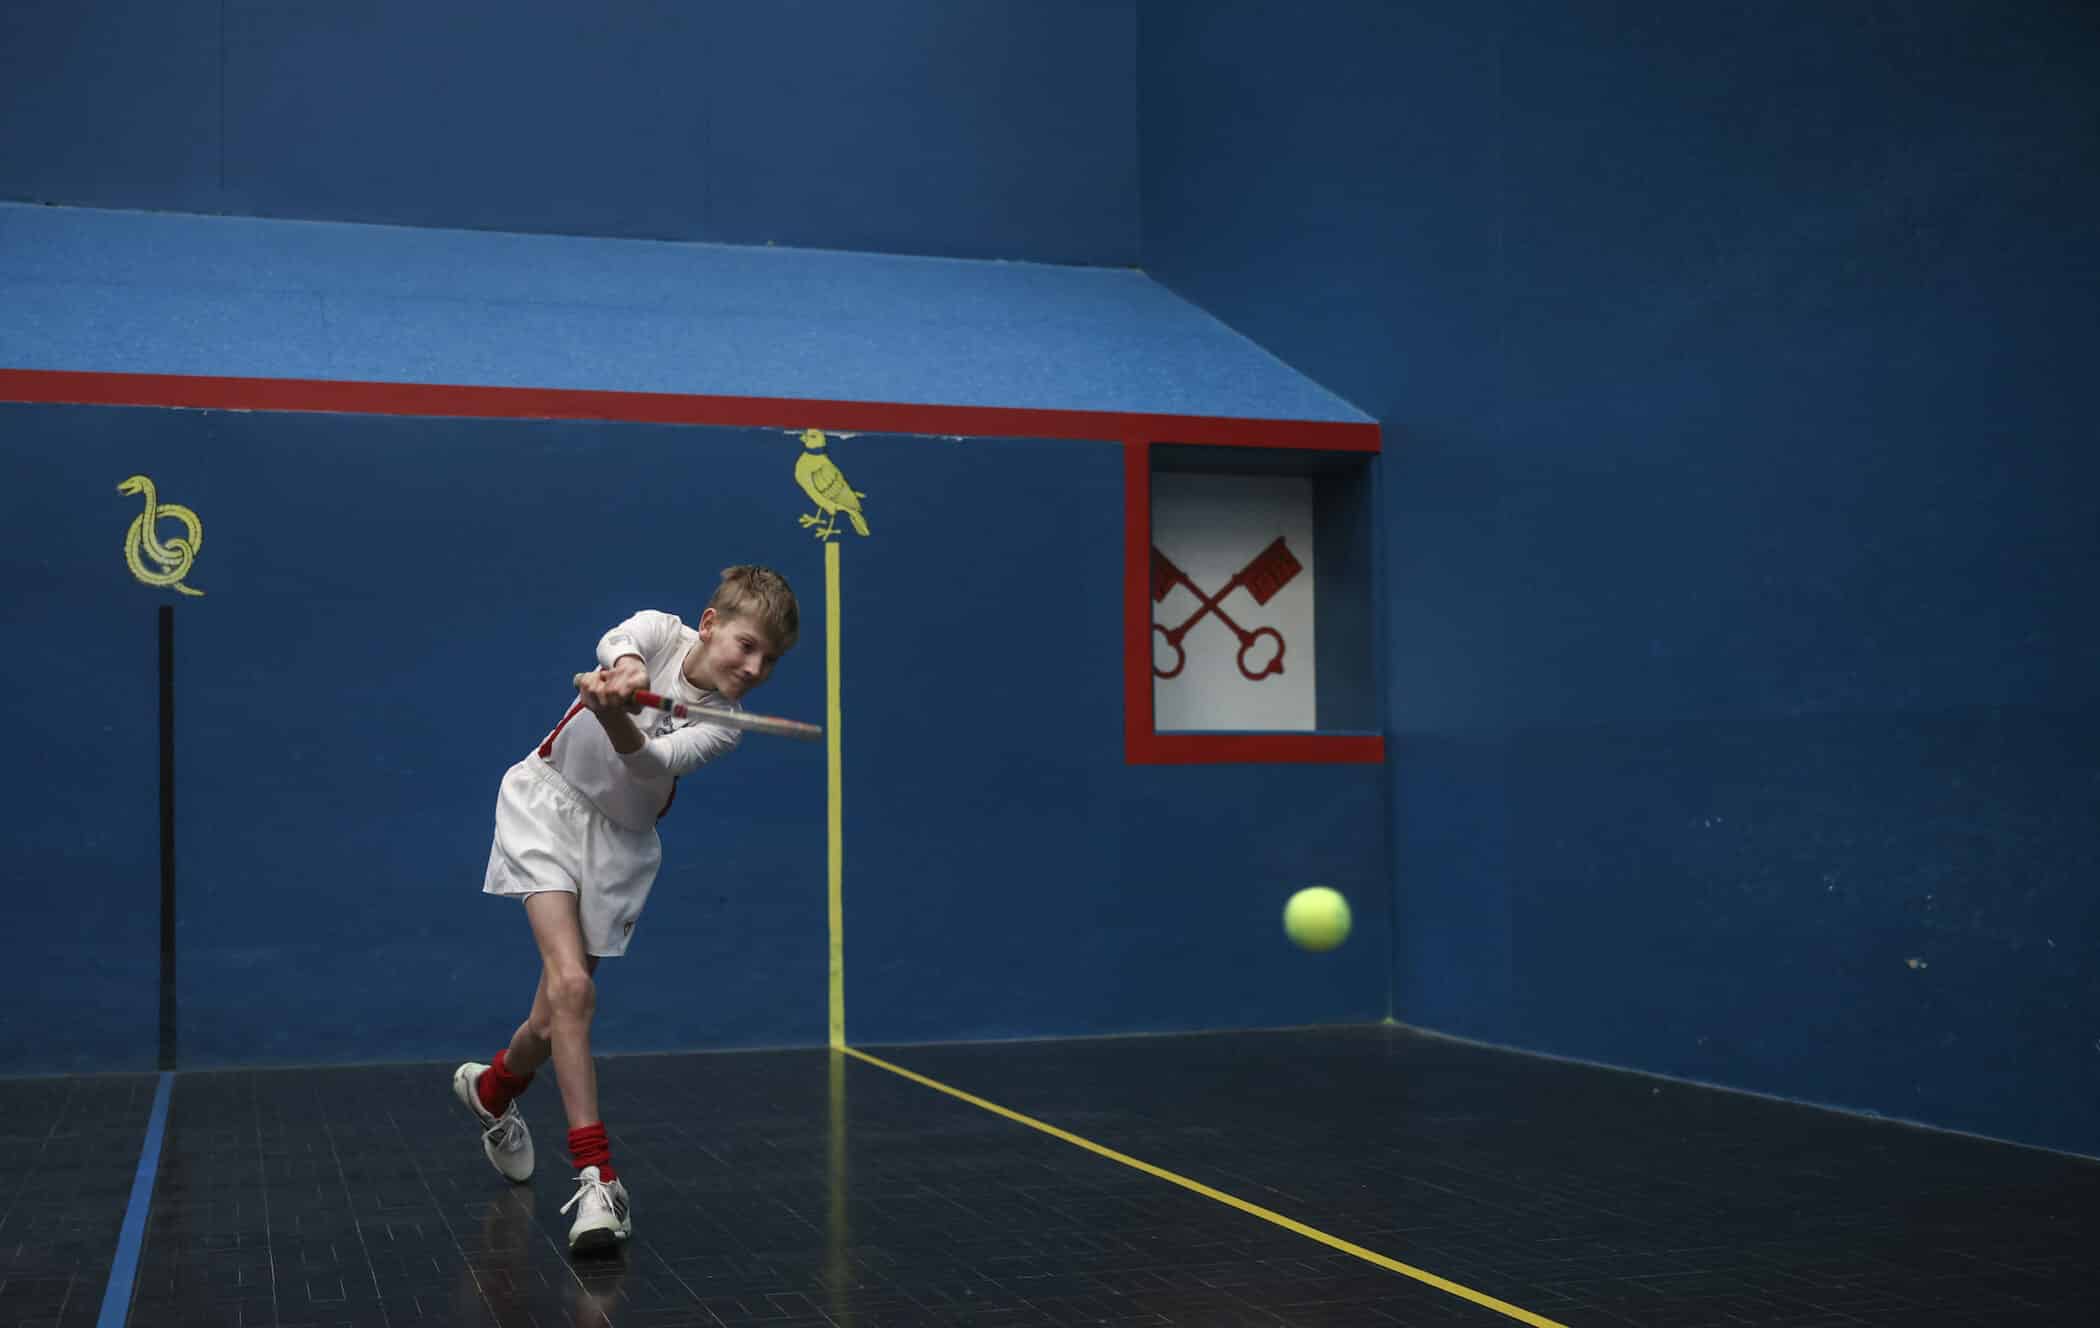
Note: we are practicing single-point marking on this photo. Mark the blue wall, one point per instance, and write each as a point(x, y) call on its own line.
point(1004, 131)
point(1744, 679)
point(391, 612)
point(80, 844)
point(1007, 874)
point(392, 608)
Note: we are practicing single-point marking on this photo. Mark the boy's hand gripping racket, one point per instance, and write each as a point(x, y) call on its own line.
point(735, 719)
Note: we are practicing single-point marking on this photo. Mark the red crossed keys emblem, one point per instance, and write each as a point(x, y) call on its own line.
point(1272, 569)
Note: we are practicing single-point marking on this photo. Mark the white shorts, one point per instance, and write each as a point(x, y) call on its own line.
point(549, 838)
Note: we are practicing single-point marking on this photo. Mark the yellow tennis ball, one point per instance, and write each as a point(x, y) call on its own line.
point(1316, 918)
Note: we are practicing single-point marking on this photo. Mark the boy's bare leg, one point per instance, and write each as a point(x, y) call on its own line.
point(530, 1046)
point(560, 1022)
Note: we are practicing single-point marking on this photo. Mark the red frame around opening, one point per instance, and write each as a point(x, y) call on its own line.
point(1142, 743)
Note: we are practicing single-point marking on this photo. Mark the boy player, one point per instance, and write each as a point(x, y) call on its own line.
point(576, 840)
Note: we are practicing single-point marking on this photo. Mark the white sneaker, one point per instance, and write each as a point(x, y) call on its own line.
point(504, 1138)
point(602, 1218)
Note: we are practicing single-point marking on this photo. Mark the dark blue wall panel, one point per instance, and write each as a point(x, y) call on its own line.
point(111, 105)
point(411, 597)
point(1003, 131)
point(977, 131)
point(392, 610)
point(1737, 518)
point(1007, 874)
point(537, 117)
point(80, 848)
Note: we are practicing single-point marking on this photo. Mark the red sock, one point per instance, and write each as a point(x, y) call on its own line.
point(497, 1085)
point(588, 1148)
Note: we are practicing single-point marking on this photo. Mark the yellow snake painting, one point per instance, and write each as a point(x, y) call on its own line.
point(176, 555)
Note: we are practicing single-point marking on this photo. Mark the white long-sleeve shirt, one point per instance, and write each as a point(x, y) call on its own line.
point(635, 789)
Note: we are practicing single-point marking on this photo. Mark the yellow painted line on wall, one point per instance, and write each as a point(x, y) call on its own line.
point(1256, 1210)
point(835, 779)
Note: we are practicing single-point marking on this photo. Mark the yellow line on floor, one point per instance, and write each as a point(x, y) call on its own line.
point(1265, 1214)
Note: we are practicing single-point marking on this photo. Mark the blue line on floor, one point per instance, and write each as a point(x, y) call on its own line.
point(116, 1301)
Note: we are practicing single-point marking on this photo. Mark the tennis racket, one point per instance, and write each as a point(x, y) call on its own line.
point(735, 719)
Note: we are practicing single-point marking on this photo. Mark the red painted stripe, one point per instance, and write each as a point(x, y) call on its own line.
point(1224, 748)
point(1137, 599)
point(547, 747)
point(184, 391)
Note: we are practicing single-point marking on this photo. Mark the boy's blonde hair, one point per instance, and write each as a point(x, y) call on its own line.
point(762, 595)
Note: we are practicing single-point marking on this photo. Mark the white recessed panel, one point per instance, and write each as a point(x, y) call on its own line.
point(1216, 538)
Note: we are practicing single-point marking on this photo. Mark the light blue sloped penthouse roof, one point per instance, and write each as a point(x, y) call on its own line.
point(130, 292)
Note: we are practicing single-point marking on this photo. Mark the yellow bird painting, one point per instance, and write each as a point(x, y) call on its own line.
point(826, 486)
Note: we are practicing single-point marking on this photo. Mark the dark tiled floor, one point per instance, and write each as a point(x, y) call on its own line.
point(794, 1190)
point(68, 1151)
point(338, 1197)
point(1585, 1195)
